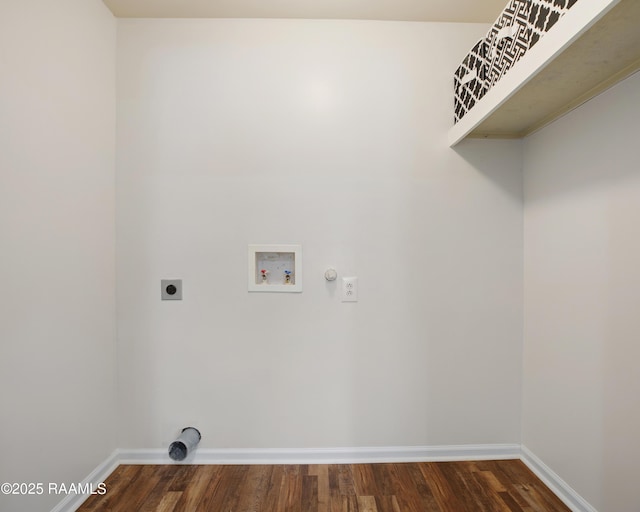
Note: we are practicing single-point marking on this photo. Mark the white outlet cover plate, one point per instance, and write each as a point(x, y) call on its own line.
point(349, 289)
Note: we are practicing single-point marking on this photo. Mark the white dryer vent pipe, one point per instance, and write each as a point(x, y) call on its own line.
point(185, 444)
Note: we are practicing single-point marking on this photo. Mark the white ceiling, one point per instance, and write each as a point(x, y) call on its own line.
point(469, 11)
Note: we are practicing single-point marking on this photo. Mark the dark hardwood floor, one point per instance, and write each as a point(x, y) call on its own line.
point(491, 486)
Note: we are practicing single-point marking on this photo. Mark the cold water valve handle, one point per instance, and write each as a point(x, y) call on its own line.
point(287, 277)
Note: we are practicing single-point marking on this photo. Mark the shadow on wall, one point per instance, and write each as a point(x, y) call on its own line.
point(481, 155)
point(595, 154)
point(582, 202)
point(621, 351)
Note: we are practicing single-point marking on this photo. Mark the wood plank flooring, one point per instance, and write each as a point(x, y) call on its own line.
point(487, 486)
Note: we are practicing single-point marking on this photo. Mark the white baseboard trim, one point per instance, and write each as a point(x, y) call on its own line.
point(294, 456)
point(73, 501)
point(336, 456)
point(551, 479)
point(327, 455)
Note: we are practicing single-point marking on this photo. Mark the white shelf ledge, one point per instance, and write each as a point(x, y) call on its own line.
point(592, 47)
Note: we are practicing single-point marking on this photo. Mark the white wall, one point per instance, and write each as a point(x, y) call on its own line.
point(57, 261)
point(581, 411)
point(331, 134)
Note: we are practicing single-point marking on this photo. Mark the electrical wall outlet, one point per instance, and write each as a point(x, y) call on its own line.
point(349, 289)
point(171, 289)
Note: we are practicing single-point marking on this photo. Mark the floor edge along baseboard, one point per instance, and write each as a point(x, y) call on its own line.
point(72, 501)
point(358, 455)
point(553, 481)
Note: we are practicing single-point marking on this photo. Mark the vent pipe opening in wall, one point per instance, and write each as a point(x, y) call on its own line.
point(185, 444)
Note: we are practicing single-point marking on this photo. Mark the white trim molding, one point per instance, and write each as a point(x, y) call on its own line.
point(294, 456)
point(328, 455)
point(358, 455)
point(557, 485)
point(72, 502)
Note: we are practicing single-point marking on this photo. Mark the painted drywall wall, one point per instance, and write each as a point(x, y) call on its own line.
point(57, 256)
point(331, 134)
point(581, 410)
